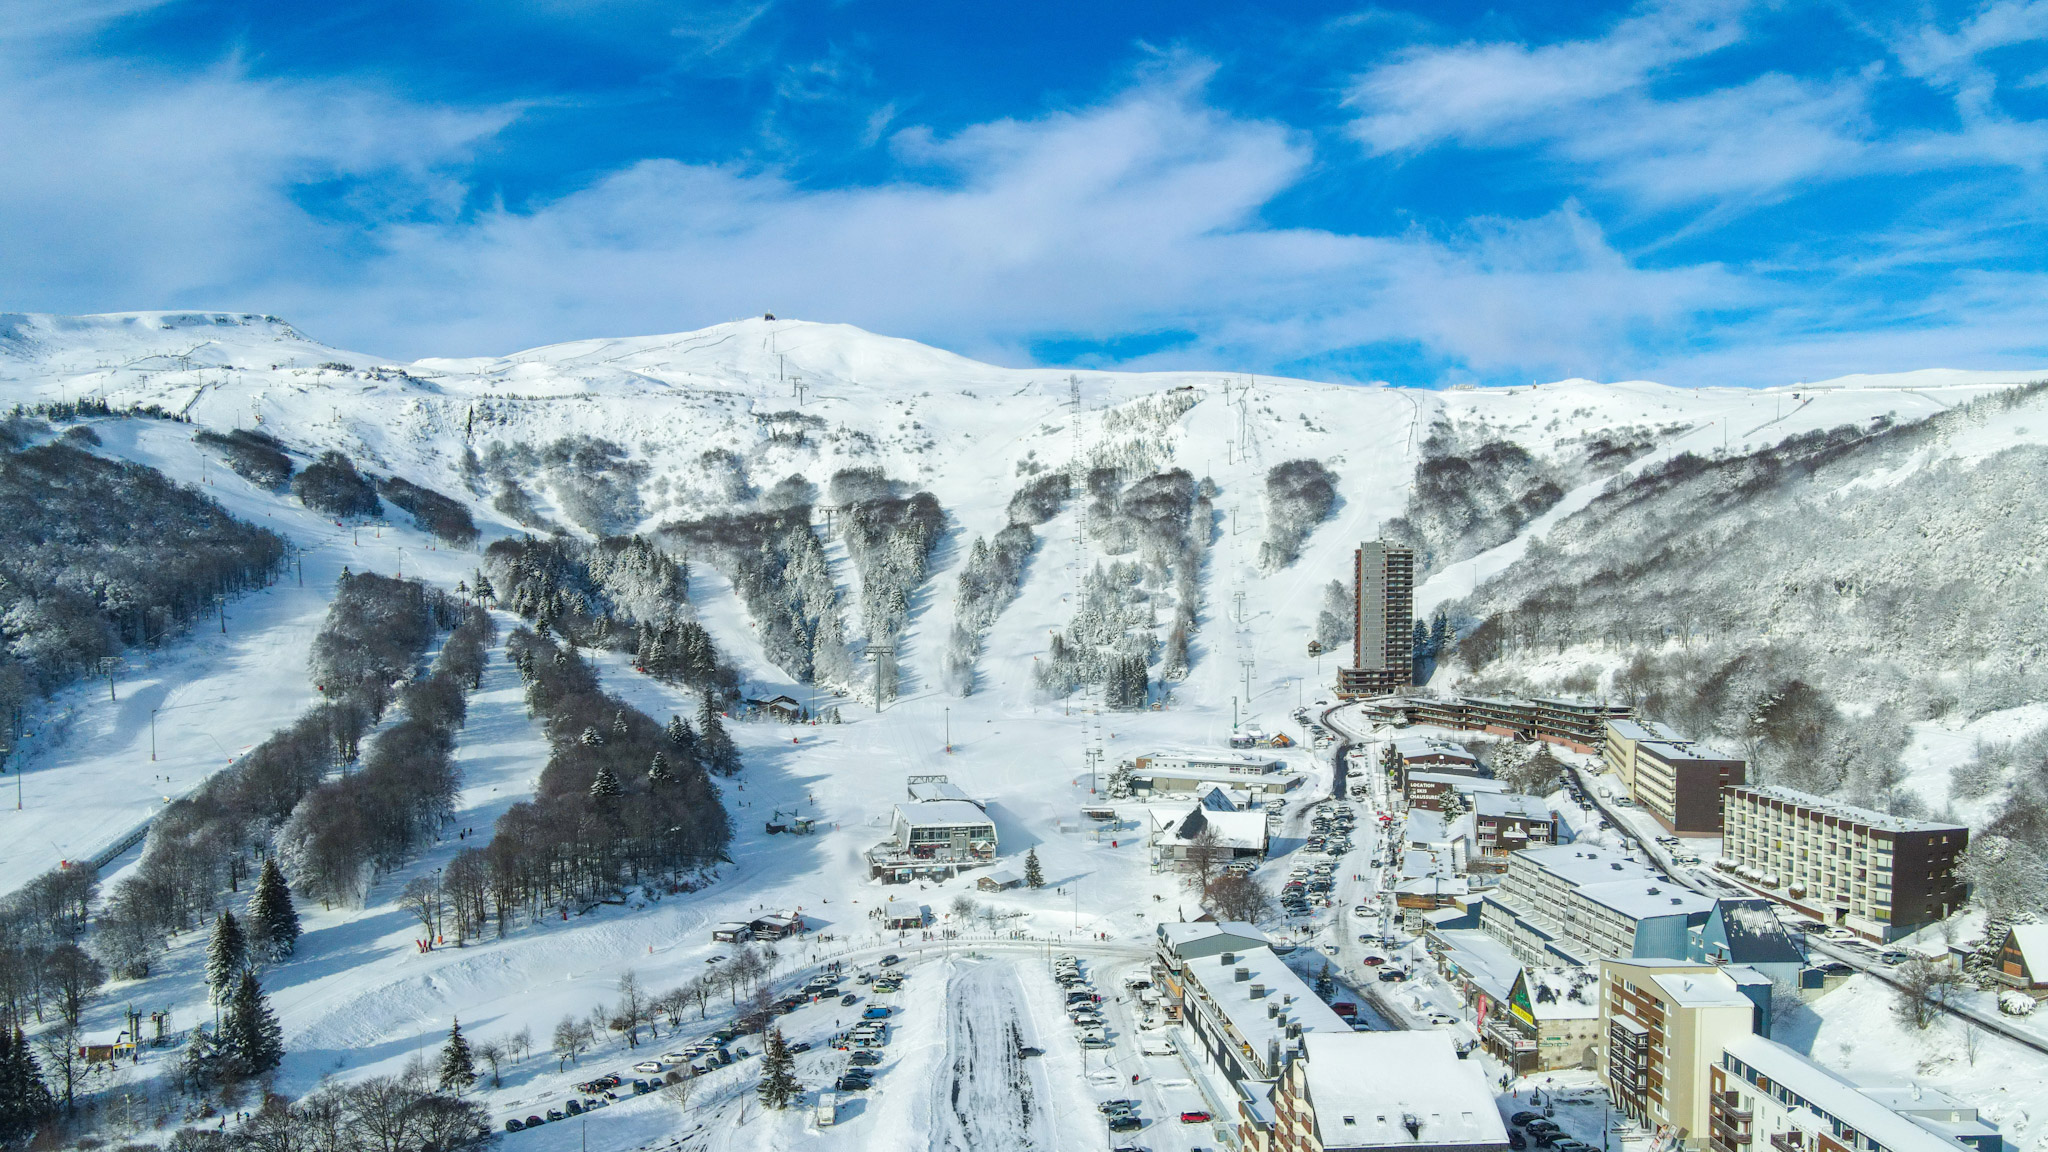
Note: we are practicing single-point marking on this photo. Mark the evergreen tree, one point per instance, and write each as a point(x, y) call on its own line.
point(679, 734)
point(1034, 876)
point(619, 723)
point(591, 737)
point(1419, 643)
point(1439, 634)
point(778, 1072)
point(714, 748)
point(1325, 987)
point(273, 922)
point(658, 774)
point(25, 1100)
point(250, 1037)
point(227, 956)
point(605, 786)
point(458, 1067)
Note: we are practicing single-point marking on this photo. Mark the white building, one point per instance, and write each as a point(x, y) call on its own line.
point(1249, 1012)
point(1383, 1090)
point(1575, 904)
point(1766, 1095)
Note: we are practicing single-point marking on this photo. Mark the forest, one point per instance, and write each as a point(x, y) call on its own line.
point(994, 574)
point(98, 555)
point(1745, 599)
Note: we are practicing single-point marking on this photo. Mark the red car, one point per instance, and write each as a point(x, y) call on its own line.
point(1194, 1117)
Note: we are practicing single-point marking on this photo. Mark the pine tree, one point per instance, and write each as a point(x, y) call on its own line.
point(227, 956)
point(25, 1100)
point(778, 1072)
point(458, 1067)
point(250, 1037)
point(679, 734)
point(1325, 987)
point(715, 748)
point(605, 786)
point(658, 773)
point(591, 737)
point(1034, 876)
point(619, 723)
point(273, 922)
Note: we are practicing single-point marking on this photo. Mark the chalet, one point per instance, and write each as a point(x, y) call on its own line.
point(2023, 959)
point(784, 708)
point(1000, 880)
point(733, 932)
point(777, 927)
point(903, 915)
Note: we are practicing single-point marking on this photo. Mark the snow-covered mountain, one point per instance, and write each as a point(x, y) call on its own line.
point(1508, 494)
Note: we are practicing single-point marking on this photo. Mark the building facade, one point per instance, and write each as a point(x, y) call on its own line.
point(1878, 875)
point(1384, 1090)
point(1681, 784)
point(1508, 822)
point(1580, 725)
point(1249, 1011)
point(1666, 1023)
point(1383, 628)
point(1618, 745)
point(1575, 905)
point(1765, 1095)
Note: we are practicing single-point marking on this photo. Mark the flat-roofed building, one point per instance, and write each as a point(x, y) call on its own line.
point(1620, 736)
point(1880, 876)
point(1249, 1012)
point(1574, 904)
point(1680, 784)
point(1383, 1090)
point(1434, 791)
point(1666, 1023)
point(1383, 622)
point(934, 838)
point(1765, 1095)
point(1508, 822)
point(1576, 724)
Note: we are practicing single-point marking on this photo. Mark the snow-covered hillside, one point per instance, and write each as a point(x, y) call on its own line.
point(706, 423)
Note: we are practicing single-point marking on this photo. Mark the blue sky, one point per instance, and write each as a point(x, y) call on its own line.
point(1430, 193)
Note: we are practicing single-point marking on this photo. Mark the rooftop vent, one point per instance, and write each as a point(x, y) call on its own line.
point(1616, 866)
point(1229, 957)
point(1656, 891)
point(1243, 973)
point(1413, 1124)
point(1258, 991)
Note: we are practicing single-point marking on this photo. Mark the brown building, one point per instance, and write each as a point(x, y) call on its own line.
point(1681, 784)
point(1507, 822)
point(1579, 725)
point(1383, 622)
point(1878, 875)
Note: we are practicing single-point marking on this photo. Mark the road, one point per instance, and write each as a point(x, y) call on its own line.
point(1861, 959)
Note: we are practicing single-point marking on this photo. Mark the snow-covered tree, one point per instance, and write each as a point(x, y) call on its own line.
point(779, 1086)
point(1034, 876)
point(273, 921)
point(227, 956)
point(457, 1070)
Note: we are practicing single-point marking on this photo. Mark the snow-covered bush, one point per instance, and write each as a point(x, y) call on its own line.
point(254, 456)
point(1299, 496)
point(438, 515)
point(332, 485)
point(2014, 1002)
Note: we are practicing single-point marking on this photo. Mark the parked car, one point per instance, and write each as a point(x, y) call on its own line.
point(1894, 956)
point(890, 959)
point(514, 1125)
point(1516, 1141)
point(848, 1000)
point(1116, 1106)
point(1194, 1116)
point(1524, 1117)
point(1812, 928)
point(534, 1121)
point(1125, 1123)
point(866, 1058)
point(648, 1066)
point(1839, 936)
point(1441, 1019)
point(878, 1012)
point(1392, 975)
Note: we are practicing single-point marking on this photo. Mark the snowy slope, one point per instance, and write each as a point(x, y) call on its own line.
point(362, 997)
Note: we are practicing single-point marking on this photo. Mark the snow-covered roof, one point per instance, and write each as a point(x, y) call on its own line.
point(1640, 730)
point(1511, 804)
point(1640, 900)
point(1485, 960)
point(1201, 757)
point(1868, 816)
point(1179, 935)
point(926, 813)
point(1445, 884)
point(1459, 781)
point(929, 790)
point(2032, 941)
point(1680, 751)
point(1755, 934)
point(1283, 997)
point(1567, 993)
point(1706, 988)
point(1826, 1093)
point(1426, 827)
point(1245, 830)
point(1369, 1088)
point(1578, 864)
point(1409, 746)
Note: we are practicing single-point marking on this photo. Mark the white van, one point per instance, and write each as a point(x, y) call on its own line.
point(1156, 1046)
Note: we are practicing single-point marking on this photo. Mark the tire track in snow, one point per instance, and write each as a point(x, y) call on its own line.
point(987, 1100)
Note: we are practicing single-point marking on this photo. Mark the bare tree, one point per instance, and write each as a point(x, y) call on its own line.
point(62, 1063)
point(1924, 988)
point(572, 1040)
point(521, 1041)
point(492, 1052)
point(1206, 856)
point(1233, 897)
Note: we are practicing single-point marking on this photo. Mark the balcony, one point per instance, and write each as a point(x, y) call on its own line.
point(1729, 1104)
point(1729, 1135)
point(1788, 1142)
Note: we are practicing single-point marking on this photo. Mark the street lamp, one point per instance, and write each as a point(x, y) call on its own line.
point(152, 734)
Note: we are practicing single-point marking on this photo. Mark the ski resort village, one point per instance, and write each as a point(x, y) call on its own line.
point(781, 736)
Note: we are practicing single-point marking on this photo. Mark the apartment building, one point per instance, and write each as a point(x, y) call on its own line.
point(1576, 724)
point(1383, 630)
point(1681, 784)
point(1763, 1093)
point(1666, 1023)
point(1878, 875)
point(1620, 737)
point(1508, 822)
point(1249, 1012)
point(1573, 904)
point(1355, 1091)
point(1437, 791)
